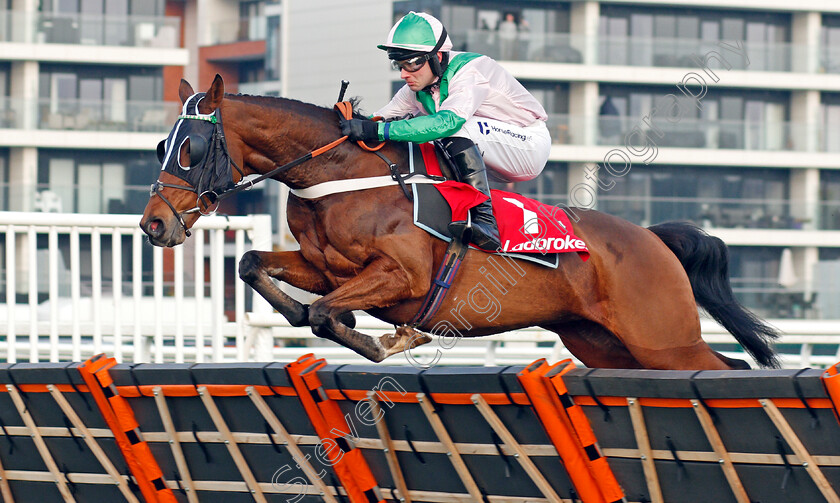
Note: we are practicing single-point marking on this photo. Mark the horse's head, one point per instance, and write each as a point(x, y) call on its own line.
point(195, 167)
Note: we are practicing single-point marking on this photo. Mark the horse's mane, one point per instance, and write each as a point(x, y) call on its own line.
point(297, 106)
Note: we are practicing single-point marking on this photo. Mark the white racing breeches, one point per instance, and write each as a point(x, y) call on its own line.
point(511, 153)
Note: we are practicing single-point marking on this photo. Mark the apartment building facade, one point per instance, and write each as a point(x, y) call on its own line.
point(725, 113)
point(82, 93)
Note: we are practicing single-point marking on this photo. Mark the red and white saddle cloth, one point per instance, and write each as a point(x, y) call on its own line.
point(528, 229)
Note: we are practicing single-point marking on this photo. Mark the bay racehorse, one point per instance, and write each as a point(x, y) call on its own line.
point(633, 304)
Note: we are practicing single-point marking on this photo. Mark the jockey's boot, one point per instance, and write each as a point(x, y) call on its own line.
point(470, 168)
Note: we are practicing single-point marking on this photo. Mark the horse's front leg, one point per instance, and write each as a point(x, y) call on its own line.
point(258, 267)
point(381, 284)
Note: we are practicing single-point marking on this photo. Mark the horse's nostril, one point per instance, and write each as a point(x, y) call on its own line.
point(155, 227)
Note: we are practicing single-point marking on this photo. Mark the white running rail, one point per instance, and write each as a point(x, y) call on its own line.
point(798, 344)
point(76, 285)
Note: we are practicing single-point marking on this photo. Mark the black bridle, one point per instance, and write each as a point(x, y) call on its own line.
point(210, 169)
point(210, 198)
point(212, 189)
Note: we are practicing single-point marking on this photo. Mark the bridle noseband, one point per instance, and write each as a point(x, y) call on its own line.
point(156, 189)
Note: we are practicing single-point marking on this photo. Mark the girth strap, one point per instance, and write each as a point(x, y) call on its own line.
point(445, 276)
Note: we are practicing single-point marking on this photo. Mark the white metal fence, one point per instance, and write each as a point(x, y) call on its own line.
point(76, 285)
point(804, 343)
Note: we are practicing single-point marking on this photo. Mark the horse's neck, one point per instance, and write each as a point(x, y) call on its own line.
point(296, 129)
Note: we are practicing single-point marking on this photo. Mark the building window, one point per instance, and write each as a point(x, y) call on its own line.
point(4, 179)
point(533, 31)
point(551, 187)
point(86, 187)
point(830, 44)
point(829, 254)
point(673, 37)
point(272, 47)
point(830, 127)
point(100, 98)
point(748, 198)
point(8, 115)
point(754, 273)
point(6, 22)
point(554, 97)
point(433, 7)
point(146, 7)
point(251, 71)
point(111, 7)
point(104, 22)
point(252, 20)
point(829, 200)
point(752, 120)
point(826, 296)
point(97, 182)
point(528, 30)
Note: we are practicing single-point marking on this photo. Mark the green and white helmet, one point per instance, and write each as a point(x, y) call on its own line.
point(416, 33)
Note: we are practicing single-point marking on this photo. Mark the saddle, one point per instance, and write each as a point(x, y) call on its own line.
point(529, 230)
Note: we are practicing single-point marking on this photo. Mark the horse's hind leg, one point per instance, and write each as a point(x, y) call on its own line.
point(733, 363)
point(594, 345)
point(598, 347)
point(698, 356)
point(258, 267)
point(382, 283)
point(670, 343)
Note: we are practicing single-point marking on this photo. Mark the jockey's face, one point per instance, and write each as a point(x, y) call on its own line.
point(419, 79)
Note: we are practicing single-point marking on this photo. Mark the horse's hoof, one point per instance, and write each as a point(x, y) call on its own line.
point(405, 338)
point(416, 338)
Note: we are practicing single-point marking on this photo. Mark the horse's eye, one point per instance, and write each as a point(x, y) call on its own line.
point(192, 151)
point(161, 151)
point(197, 148)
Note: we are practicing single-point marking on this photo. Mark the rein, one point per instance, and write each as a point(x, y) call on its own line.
point(344, 108)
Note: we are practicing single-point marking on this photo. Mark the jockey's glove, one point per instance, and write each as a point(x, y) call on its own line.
point(360, 129)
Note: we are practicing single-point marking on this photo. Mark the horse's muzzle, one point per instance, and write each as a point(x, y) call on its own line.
point(162, 234)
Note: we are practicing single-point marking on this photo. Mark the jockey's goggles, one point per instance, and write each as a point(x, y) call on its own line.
point(412, 64)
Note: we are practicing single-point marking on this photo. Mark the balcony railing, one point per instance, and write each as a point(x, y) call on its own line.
point(88, 115)
point(830, 215)
point(541, 47)
point(684, 133)
point(98, 196)
point(688, 53)
point(11, 113)
point(90, 29)
point(644, 51)
point(767, 299)
point(240, 30)
point(97, 115)
point(829, 59)
point(705, 211)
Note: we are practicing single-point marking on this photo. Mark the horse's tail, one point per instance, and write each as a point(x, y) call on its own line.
point(706, 261)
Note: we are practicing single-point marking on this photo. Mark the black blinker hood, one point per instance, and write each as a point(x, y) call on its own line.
point(210, 169)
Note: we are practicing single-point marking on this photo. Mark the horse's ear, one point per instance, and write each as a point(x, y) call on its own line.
point(213, 98)
point(185, 90)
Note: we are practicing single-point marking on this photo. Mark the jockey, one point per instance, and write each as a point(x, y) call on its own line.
point(479, 110)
